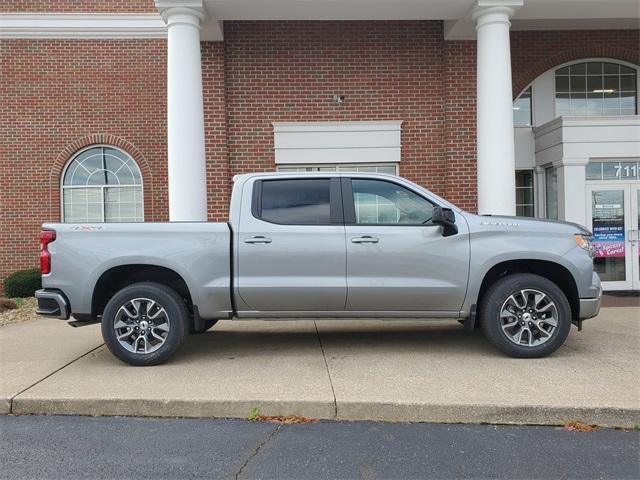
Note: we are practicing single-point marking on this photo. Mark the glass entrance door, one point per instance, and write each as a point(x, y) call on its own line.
point(612, 211)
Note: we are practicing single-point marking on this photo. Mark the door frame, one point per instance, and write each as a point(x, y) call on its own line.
point(632, 275)
point(634, 235)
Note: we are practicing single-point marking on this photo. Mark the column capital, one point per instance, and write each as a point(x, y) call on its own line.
point(189, 12)
point(494, 11)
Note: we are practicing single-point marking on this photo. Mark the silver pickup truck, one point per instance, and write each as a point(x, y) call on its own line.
point(309, 245)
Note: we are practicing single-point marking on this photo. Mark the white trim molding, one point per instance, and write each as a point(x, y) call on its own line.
point(306, 143)
point(81, 25)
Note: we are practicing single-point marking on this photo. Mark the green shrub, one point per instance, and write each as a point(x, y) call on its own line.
point(23, 283)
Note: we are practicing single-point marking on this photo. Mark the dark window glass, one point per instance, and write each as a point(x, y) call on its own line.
point(524, 193)
point(578, 84)
point(594, 68)
point(380, 202)
point(628, 83)
point(296, 202)
point(578, 69)
point(562, 84)
point(611, 68)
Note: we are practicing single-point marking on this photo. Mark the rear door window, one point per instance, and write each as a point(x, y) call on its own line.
point(296, 201)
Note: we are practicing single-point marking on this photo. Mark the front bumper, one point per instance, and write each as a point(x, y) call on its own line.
point(52, 303)
point(590, 307)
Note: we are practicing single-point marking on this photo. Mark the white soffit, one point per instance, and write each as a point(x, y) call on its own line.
point(81, 25)
point(337, 142)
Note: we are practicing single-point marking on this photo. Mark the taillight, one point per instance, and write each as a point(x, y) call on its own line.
point(46, 237)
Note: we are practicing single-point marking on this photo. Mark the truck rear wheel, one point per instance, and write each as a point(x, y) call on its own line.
point(525, 316)
point(144, 323)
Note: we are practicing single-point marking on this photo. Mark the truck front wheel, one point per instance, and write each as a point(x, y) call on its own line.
point(144, 323)
point(525, 315)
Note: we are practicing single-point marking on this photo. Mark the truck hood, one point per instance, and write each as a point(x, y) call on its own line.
point(512, 223)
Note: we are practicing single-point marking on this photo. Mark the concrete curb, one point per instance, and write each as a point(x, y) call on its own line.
point(5, 406)
point(494, 414)
point(389, 412)
point(170, 408)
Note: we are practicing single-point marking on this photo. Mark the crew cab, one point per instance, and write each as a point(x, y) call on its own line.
point(327, 244)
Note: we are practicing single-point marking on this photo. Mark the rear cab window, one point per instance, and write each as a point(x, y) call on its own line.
point(308, 201)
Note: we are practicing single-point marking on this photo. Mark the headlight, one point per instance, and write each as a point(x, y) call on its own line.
point(584, 242)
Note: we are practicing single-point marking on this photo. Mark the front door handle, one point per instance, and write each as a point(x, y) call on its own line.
point(365, 239)
point(257, 239)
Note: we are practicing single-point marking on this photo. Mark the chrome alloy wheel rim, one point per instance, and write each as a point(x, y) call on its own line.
point(529, 317)
point(141, 325)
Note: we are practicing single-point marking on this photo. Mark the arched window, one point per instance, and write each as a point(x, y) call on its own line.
point(596, 88)
point(522, 109)
point(102, 184)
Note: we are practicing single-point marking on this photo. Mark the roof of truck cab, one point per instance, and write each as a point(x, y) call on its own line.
point(245, 177)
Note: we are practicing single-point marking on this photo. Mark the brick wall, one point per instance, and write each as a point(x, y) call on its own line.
point(215, 126)
point(290, 71)
point(59, 95)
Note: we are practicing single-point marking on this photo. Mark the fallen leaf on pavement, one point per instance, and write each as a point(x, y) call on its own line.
point(580, 427)
point(285, 419)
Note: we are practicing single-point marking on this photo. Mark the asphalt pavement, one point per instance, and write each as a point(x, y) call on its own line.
point(63, 447)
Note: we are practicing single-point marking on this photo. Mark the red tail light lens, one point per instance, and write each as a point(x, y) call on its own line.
point(46, 237)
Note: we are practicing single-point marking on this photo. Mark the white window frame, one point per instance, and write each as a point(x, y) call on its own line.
point(101, 187)
point(337, 167)
point(342, 142)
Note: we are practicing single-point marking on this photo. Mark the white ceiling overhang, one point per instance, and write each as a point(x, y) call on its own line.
point(533, 15)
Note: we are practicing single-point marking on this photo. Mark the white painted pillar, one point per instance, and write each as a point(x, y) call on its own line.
point(185, 115)
point(495, 144)
point(572, 190)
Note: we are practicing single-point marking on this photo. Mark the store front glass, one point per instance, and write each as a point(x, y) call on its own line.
point(613, 200)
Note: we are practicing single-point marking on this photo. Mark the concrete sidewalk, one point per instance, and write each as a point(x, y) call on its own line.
point(395, 370)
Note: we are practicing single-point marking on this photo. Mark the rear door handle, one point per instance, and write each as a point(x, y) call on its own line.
point(365, 239)
point(257, 239)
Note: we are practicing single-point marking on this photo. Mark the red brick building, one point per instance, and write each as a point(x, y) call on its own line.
point(108, 114)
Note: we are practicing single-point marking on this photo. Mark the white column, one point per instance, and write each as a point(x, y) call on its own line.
point(572, 190)
point(185, 116)
point(495, 144)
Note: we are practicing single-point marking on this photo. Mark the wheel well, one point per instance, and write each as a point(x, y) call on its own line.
point(549, 270)
point(116, 278)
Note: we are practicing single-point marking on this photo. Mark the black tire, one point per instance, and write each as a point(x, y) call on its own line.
point(176, 315)
point(208, 324)
point(492, 323)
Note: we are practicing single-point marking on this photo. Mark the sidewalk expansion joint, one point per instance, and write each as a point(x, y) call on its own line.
point(50, 375)
point(257, 450)
point(326, 364)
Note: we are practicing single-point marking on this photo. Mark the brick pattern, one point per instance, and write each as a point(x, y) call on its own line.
point(215, 127)
point(77, 6)
point(460, 124)
point(57, 96)
point(290, 71)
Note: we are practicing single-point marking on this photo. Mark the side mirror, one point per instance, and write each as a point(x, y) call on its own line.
point(445, 218)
